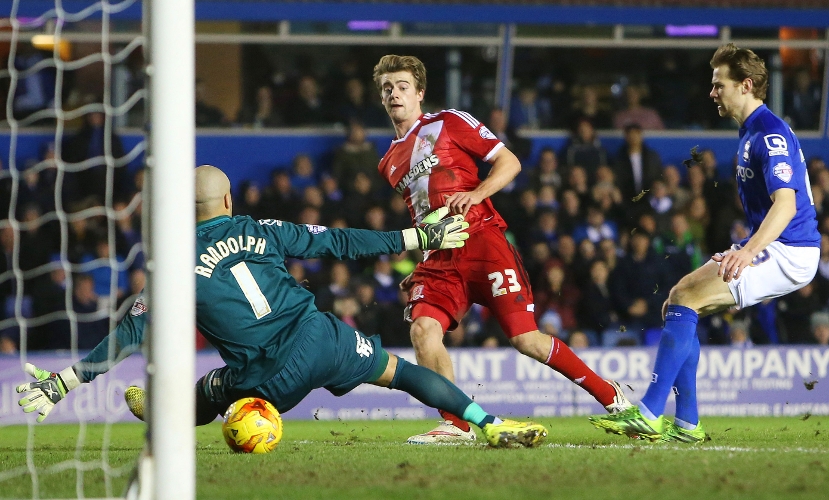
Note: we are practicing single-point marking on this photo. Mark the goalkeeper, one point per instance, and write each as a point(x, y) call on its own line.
point(265, 326)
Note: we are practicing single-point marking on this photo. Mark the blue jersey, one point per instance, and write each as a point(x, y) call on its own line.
point(770, 158)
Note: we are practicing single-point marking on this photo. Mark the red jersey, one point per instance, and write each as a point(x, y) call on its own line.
point(436, 159)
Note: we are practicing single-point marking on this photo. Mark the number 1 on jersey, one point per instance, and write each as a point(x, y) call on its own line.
point(258, 301)
point(498, 280)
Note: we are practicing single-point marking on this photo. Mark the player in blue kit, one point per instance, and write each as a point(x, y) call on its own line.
point(780, 255)
point(275, 342)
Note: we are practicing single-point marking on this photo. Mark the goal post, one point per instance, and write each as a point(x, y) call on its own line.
point(169, 231)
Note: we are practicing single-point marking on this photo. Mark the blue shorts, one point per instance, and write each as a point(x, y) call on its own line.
point(327, 353)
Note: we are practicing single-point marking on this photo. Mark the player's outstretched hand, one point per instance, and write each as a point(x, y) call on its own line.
point(437, 232)
point(43, 395)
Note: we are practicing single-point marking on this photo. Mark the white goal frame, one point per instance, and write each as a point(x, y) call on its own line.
point(170, 238)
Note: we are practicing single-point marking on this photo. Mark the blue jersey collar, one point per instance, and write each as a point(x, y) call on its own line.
point(215, 221)
point(753, 116)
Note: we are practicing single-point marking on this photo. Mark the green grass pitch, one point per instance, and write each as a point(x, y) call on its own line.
point(757, 458)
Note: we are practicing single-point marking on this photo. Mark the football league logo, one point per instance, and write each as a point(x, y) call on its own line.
point(138, 307)
point(783, 171)
point(315, 229)
point(776, 144)
point(485, 133)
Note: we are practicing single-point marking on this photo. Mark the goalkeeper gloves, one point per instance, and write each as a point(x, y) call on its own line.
point(437, 232)
point(43, 395)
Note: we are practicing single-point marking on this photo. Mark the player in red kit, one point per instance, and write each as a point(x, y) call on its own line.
point(431, 163)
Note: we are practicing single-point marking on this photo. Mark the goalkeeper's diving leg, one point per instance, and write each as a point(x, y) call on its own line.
point(437, 391)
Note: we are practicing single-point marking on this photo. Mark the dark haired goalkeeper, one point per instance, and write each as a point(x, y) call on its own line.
point(265, 326)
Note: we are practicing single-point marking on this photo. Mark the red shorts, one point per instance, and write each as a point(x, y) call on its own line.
point(486, 271)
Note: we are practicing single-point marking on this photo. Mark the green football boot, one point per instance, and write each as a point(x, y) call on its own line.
point(675, 433)
point(631, 423)
point(509, 432)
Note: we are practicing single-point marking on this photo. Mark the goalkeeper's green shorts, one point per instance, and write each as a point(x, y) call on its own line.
point(327, 353)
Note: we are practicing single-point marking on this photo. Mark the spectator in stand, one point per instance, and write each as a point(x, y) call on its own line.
point(92, 327)
point(637, 166)
point(49, 298)
point(385, 280)
point(303, 173)
point(207, 115)
point(607, 196)
point(32, 190)
point(498, 125)
point(528, 111)
point(545, 229)
point(280, 200)
point(357, 108)
point(128, 233)
point(588, 107)
point(639, 287)
point(546, 173)
point(815, 166)
point(338, 286)
point(346, 309)
point(90, 184)
point(821, 280)
point(682, 252)
point(635, 113)
point(370, 319)
point(585, 149)
point(307, 109)
point(794, 312)
point(803, 101)
point(356, 154)
point(332, 198)
point(609, 253)
point(547, 198)
point(35, 91)
point(249, 201)
point(571, 214)
point(101, 274)
point(661, 204)
point(820, 327)
point(596, 228)
point(261, 113)
point(739, 333)
point(398, 214)
point(596, 311)
point(679, 195)
point(578, 340)
point(375, 219)
point(558, 295)
point(358, 201)
point(83, 236)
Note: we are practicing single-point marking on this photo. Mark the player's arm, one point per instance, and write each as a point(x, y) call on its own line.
point(50, 387)
point(436, 232)
point(505, 166)
point(782, 211)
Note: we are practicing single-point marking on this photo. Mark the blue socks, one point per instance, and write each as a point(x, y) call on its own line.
point(676, 345)
point(686, 379)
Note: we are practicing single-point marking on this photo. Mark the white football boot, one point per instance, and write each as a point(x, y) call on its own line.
point(620, 402)
point(445, 433)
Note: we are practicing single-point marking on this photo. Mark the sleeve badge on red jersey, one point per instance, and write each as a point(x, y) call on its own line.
point(138, 307)
point(486, 133)
point(783, 171)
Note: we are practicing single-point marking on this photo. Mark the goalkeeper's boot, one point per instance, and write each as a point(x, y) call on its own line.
point(445, 433)
point(509, 432)
point(620, 401)
point(676, 434)
point(135, 397)
point(631, 423)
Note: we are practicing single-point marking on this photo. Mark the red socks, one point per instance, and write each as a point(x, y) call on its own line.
point(458, 422)
point(563, 360)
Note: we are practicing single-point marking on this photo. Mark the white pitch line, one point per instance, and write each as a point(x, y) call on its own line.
point(690, 447)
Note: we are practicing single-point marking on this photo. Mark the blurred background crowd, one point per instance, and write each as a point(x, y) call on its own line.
point(603, 234)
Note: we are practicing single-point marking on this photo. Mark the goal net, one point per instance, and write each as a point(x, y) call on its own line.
point(81, 198)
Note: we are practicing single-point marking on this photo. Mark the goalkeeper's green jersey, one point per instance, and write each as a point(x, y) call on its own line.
point(247, 304)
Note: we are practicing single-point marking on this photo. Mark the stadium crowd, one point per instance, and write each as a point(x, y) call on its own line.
point(604, 235)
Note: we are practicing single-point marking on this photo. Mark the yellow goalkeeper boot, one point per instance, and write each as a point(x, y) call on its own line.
point(135, 401)
point(509, 432)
